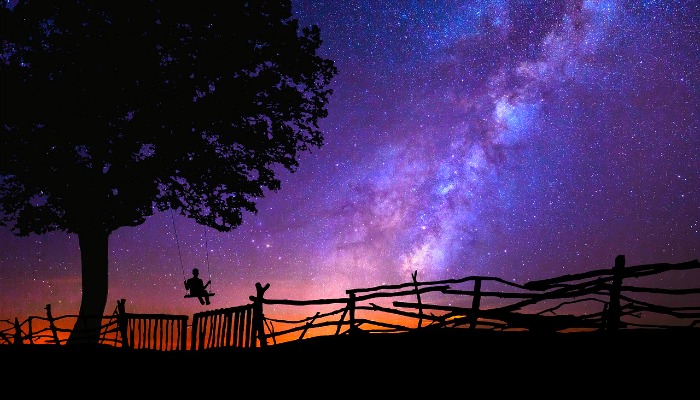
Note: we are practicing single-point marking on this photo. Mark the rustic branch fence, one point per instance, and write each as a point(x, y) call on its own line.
point(591, 301)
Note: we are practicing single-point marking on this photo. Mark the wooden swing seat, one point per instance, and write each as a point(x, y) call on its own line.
point(187, 296)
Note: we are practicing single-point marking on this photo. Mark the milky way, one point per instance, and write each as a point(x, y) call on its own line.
point(519, 139)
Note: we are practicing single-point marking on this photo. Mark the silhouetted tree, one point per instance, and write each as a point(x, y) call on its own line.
point(112, 110)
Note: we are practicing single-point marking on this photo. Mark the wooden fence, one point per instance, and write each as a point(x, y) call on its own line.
point(228, 327)
point(592, 301)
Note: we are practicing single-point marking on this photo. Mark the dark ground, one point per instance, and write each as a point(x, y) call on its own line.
point(449, 361)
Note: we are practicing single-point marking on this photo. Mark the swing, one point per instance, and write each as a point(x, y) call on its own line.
point(189, 295)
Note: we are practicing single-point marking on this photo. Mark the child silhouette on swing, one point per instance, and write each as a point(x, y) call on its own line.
point(197, 288)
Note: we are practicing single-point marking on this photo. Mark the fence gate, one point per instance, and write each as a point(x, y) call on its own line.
point(226, 327)
point(154, 331)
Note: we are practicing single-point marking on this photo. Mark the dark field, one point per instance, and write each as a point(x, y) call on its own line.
point(667, 359)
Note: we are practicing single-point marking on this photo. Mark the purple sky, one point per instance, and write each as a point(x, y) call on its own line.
point(515, 139)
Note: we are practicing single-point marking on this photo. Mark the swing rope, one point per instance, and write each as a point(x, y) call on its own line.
point(179, 252)
point(206, 250)
point(177, 240)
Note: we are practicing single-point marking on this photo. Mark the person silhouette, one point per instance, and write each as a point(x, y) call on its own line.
point(197, 288)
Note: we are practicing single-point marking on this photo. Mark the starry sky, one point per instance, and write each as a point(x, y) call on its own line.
point(513, 139)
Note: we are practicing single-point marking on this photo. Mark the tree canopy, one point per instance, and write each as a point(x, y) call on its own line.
point(112, 110)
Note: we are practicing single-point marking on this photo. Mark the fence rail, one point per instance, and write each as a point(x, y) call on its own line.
point(592, 301)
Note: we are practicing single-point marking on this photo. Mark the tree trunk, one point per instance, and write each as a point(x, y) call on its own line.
point(95, 272)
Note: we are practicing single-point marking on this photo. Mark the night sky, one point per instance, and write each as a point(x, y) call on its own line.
point(513, 139)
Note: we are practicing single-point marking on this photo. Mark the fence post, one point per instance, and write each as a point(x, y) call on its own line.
point(351, 313)
point(183, 333)
point(258, 316)
point(122, 322)
point(52, 325)
point(18, 333)
point(30, 328)
point(476, 303)
point(420, 305)
point(193, 333)
point(614, 310)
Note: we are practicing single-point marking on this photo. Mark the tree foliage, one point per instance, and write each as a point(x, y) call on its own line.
point(111, 109)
